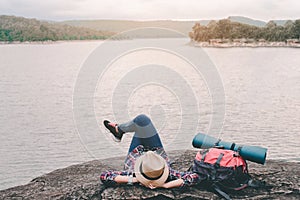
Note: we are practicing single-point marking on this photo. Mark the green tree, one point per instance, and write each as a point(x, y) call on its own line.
point(289, 29)
point(297, 29)
point(270, 30)
point(224, 28)
point(196, 32)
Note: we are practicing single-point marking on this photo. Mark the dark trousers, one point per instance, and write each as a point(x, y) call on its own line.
point(144, 132)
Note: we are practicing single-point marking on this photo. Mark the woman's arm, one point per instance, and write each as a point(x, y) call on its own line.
point(125, 179)
point(187, 178)
point(111, 178)
point(173, 184)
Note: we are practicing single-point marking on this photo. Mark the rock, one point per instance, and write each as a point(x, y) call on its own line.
point(82, 182)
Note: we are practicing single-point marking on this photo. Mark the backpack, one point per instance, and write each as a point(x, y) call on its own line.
point(221, 170)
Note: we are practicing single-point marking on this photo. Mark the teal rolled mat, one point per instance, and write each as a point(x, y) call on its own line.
point(252, 153)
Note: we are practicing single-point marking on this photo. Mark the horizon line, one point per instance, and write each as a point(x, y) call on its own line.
point(148, 20)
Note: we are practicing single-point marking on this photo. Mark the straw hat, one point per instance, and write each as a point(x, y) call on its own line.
point(151, 168)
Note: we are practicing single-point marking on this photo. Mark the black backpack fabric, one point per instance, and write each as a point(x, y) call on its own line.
point(221, 170)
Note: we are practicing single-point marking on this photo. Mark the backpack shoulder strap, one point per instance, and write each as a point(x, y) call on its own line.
point(217, 163)
point(204, 155)
point(220, 192)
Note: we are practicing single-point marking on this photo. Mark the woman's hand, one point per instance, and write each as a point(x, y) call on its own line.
point(134, 180)
point(171, 184)
point(151, 186)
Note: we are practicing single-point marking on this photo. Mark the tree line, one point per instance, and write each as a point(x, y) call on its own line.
point(226, 29)
point(22, 29)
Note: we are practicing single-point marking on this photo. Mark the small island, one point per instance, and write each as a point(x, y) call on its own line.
point(82, 182)
point(226, 33)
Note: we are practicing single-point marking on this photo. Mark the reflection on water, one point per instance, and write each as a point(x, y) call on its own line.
point(38, 135)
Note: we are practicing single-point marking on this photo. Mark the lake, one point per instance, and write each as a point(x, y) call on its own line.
point(44, 126)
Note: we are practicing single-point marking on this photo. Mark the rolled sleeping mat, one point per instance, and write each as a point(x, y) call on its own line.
point(252, 153)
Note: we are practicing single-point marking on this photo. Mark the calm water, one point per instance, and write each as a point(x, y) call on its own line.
point(38, 133)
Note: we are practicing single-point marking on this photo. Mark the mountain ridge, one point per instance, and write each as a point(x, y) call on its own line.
point(183, 26)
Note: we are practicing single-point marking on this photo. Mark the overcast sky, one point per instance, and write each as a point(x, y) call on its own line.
point(151, 9)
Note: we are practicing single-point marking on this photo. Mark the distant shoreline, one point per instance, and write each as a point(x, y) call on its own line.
point(247, 45)
point(192, 43)
point(48, 42)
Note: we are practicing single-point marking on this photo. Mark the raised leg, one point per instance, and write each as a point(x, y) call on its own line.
point(144, 132)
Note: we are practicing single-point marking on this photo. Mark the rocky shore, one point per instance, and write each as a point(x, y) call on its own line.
point(245, 44)
point(82, 182)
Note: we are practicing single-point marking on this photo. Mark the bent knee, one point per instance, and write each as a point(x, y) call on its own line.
point(142, 120)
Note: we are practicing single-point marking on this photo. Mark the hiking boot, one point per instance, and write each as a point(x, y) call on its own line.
point(117, 136)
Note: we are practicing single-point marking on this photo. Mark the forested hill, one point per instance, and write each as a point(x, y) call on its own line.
point(229, 30)
point(23, 29)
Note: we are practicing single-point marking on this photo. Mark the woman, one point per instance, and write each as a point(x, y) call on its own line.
point(147, 162)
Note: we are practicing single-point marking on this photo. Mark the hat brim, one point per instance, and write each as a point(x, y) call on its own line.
point(145, 181)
